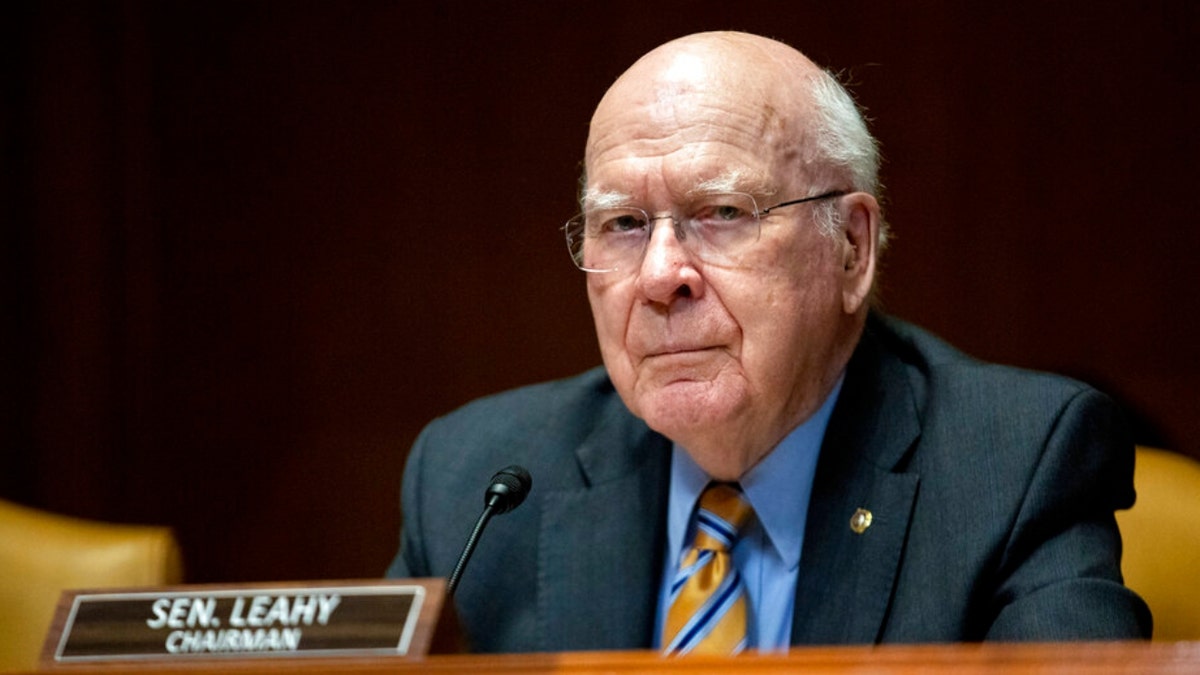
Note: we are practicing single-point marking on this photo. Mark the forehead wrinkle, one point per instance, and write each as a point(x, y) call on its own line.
point(697, 143)
point(656, 125)
point(713, 137)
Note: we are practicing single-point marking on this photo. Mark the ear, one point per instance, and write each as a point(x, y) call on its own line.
point(860, 230)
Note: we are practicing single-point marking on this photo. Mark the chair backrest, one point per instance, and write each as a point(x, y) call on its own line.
point(1162, 541)
point(42, 553)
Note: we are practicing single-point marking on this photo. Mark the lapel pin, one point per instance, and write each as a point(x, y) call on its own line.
point(860, 521)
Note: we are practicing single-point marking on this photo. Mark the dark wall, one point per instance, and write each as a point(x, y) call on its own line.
point(250, 248)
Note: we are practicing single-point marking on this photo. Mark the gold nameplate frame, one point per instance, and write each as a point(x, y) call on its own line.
point(339, 618)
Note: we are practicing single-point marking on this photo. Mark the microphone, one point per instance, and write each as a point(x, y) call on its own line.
point(508, 489)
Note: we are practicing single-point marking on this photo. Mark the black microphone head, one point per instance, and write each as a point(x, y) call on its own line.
point(509, 487)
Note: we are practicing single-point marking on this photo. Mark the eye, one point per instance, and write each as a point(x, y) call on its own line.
point(725, 211)
point(625, 223)
point(609, 223)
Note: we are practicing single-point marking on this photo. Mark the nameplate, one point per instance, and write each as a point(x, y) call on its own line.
point(280, 620)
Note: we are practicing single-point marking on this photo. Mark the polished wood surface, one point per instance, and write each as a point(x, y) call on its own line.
point(1118, 657)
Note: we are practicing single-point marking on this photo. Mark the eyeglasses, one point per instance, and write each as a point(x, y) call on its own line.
point(715, 229)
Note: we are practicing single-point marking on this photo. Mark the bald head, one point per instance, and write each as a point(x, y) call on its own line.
point(781, 102)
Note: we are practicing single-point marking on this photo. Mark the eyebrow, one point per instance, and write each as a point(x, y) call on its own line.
point(735, 180)
point(729, 181)
point(605, 199)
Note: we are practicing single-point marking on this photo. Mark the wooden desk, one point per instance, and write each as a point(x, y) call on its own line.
point(1118, 657)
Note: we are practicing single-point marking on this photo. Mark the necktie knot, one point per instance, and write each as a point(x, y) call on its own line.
point(722, 514)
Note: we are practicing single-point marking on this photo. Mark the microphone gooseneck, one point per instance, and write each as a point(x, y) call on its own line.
point(507, 490)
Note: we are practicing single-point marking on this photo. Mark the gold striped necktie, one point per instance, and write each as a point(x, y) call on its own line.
point(708, 606)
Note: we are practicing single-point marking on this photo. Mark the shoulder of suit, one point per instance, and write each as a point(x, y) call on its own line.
point(921, 349)
point(947, 382)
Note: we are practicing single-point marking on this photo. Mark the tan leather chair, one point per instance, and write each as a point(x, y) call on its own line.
point(1162, 541)
point(41, 554)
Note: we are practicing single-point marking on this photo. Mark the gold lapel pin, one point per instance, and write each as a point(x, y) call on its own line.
point(860, 521)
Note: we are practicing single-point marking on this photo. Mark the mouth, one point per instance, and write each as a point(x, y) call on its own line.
point(665, 352)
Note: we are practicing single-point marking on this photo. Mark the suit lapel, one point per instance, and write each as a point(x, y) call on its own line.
point(846, 578)
point(598, 581)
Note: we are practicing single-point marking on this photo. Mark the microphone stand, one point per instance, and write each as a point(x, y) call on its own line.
point(469, 549)
point(507, 491)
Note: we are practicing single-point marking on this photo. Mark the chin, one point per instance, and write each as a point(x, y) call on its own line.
point(690, 413)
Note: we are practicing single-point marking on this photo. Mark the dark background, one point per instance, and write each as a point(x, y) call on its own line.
point(250, 248)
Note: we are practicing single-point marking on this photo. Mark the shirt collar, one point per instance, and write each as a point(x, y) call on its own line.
point(778, 487)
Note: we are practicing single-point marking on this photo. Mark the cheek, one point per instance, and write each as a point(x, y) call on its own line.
point(610, 312)
point(784, 313)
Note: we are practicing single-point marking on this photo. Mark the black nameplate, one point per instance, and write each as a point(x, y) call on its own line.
point(274, 620)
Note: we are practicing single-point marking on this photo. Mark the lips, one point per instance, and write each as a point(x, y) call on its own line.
point(678, 343)
point(646, 339)
point(676, 350)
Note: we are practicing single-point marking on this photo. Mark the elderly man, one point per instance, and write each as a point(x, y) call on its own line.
point(764, 461)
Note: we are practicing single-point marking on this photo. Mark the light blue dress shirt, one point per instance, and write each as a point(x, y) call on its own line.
point(768, 553)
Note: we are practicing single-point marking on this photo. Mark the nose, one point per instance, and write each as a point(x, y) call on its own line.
point(668, 270)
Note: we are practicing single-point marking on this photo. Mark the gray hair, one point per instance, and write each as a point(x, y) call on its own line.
point(842, 141)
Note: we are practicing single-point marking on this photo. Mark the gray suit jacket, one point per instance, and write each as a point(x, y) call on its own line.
point(992, 491)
